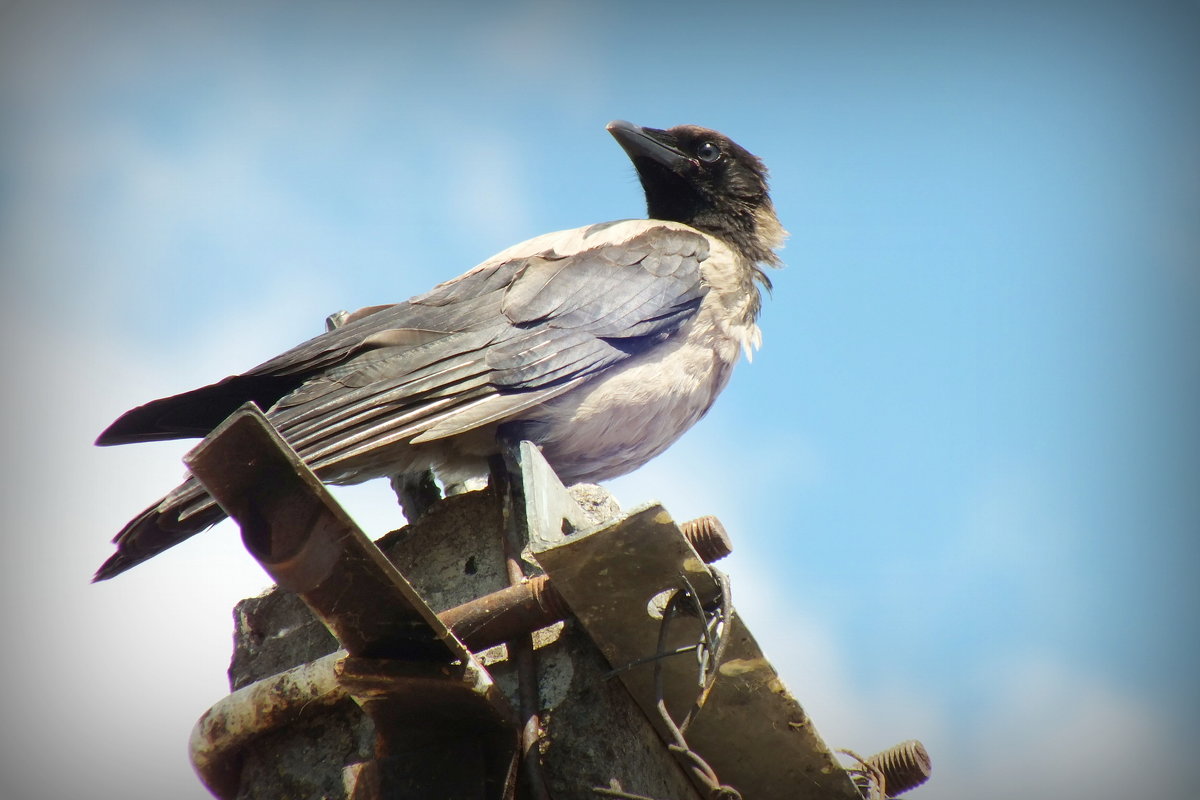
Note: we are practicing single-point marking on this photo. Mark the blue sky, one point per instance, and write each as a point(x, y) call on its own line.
point(961, 474)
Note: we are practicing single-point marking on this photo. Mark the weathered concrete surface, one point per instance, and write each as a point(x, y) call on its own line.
point(305, 760)
point(594, 732)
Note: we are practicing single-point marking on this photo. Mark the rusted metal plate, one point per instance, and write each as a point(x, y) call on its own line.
point(310, 545)
point(402, 666)
point(751, 730)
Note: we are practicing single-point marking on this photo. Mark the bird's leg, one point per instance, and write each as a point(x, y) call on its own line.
point(417, 492)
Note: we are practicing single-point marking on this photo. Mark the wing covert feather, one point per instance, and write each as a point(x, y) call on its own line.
point(489, 345)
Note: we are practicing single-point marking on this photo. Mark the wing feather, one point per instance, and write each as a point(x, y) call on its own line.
point(495, 343)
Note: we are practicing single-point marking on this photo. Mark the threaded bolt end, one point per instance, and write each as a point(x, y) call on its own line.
point(904, 766)
point(547, 597)
point(709, 537)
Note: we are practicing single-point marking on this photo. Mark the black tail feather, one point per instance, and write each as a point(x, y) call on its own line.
point(194, 414)
point(154, 530)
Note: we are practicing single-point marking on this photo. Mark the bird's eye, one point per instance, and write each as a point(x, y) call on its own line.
point(708, 152)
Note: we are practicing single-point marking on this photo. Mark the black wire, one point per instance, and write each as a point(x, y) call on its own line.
point(715, 631)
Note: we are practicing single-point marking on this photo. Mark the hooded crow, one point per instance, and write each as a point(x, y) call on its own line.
point(601, 345)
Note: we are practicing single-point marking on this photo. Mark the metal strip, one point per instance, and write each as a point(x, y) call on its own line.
point(310, 546)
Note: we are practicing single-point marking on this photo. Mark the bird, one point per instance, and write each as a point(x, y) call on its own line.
point(601, 345)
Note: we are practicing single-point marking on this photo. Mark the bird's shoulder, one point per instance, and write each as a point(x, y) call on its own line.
point(615, 234)
point(623, 242)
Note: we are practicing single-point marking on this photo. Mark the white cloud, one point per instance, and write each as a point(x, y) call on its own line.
point(1053, 729)
point(1037, 725)
point(132, 662)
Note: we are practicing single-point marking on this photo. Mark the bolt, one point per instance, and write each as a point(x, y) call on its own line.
point(548, 598)
point(535, 603)
point(709, 537)
point(904, 766)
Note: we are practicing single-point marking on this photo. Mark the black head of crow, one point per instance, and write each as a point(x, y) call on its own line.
point(702, 178)
point(601, 345)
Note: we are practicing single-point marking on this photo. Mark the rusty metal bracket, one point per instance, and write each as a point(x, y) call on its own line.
point(616, 579)
point(310, 546)
point(403, 663)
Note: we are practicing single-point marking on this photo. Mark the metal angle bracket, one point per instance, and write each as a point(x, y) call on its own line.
point(402, 665)
point(551, 513)
point(310, 546)
point(750, 729)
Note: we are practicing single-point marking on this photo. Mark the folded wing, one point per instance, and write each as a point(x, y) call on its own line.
point(486, 347)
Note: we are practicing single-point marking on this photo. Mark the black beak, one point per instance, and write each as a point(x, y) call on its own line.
point(651, 143)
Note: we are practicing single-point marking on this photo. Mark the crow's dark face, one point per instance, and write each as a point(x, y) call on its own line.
point(702, 178)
